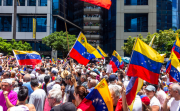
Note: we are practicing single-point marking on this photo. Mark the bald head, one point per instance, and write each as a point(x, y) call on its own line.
point(27, 78)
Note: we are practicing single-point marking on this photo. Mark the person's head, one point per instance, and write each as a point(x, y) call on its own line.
point(34, 83)
point(83, 78)
point(47, 79)
point(13, 74)
point(6, 75)
point(63, 89)
point(23, 93)
point(112, 79)
point(104, 72)
point(68, 79)
point(174, 90)
point(92, 83)
point(27, 78)
point(80, 93)
point(42, 70)
point(115, 93)
point(54, 97)
point(58, 80)
point(145, 102)
point(150, 91)
point(6, 84)
point(93, 75)
point(53, 73)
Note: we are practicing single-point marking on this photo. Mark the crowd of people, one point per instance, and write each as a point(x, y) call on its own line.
point(58, 86)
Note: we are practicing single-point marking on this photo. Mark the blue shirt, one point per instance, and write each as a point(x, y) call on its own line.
point(28, 85)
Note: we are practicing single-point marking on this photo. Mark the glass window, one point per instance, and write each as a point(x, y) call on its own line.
point(26, 24)
point(0, 2)
point(9, 2)
point(135, 22)
point(21, 3)
point(43, 2)
point(5, 23)
point(135, 2)
point(55, 6)
point(32, 3)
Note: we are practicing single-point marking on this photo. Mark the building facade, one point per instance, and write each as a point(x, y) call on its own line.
point(50, 16)
point(134, 17)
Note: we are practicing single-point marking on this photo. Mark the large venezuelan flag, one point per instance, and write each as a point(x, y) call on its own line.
point(134, 86)
point(115, 61)
point(174, 73)
point(145, 63)
point(176, 47)
point(101, 52)
point(99, 99)
point(176, 50)
point(102, 3)
point(82, 51)
point(27, 57)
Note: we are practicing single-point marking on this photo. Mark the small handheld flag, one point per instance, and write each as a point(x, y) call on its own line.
point(116, 61)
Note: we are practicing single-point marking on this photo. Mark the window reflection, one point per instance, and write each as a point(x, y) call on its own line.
point(9, 2)
point(135, 2)
point(5, 23)
point(43, 2)
point(135, 22)
point(32, 3)
point(21, 3)
point(26, 24)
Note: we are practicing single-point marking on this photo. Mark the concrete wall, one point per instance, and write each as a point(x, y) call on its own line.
point(121, 9)
point(27, 10)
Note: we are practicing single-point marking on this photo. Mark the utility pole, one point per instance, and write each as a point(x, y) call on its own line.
point(14, 21)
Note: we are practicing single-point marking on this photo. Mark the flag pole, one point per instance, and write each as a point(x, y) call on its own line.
point(132, 54)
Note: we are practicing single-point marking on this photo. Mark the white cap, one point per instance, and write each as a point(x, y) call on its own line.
point(32, 76)
point(93, 74)
point(56, 86)
point(7, 81)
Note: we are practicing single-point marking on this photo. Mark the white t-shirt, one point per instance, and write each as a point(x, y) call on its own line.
point(37, 98)
point(137, 104)
point(19, 108)
point(154, 101)
point(174, 105)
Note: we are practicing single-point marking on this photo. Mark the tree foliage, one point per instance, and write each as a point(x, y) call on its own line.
point(7, 47)
point(58, 41)
point(163, 41)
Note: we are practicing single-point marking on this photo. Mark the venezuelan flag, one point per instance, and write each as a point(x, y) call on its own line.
point(174, 73)
point(145, 63)
point(176, 47)
point(101, 52)
point(115, 61)
point(27, 57)
point(99, 99)
point(134, 86)
point(82, 51)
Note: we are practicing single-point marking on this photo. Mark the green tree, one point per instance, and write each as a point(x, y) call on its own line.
point(162, 43)
point(58, 41)
point(9, 46)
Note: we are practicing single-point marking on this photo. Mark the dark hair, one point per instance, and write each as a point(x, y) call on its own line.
point(8, 73)
point(46, 80)
point(23, 93)
point(68, 77)
point(42, 69)
point(82, 91)
point(34, 82)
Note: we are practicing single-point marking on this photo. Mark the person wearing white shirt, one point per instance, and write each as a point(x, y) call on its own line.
point(154, 102)
point(173, 104)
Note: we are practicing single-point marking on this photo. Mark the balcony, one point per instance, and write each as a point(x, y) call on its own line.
point(91, 28)
point(92, 11)
point(92, 37)
point(92, 19)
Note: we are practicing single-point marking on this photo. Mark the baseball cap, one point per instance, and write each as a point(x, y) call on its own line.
point(68, 106)
point(58, 79)
point(54, 65)
point(151, 88)
point(54, 72)
point(112, 77)
point(7, 81)
point(145, 99)
point(56, 86)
